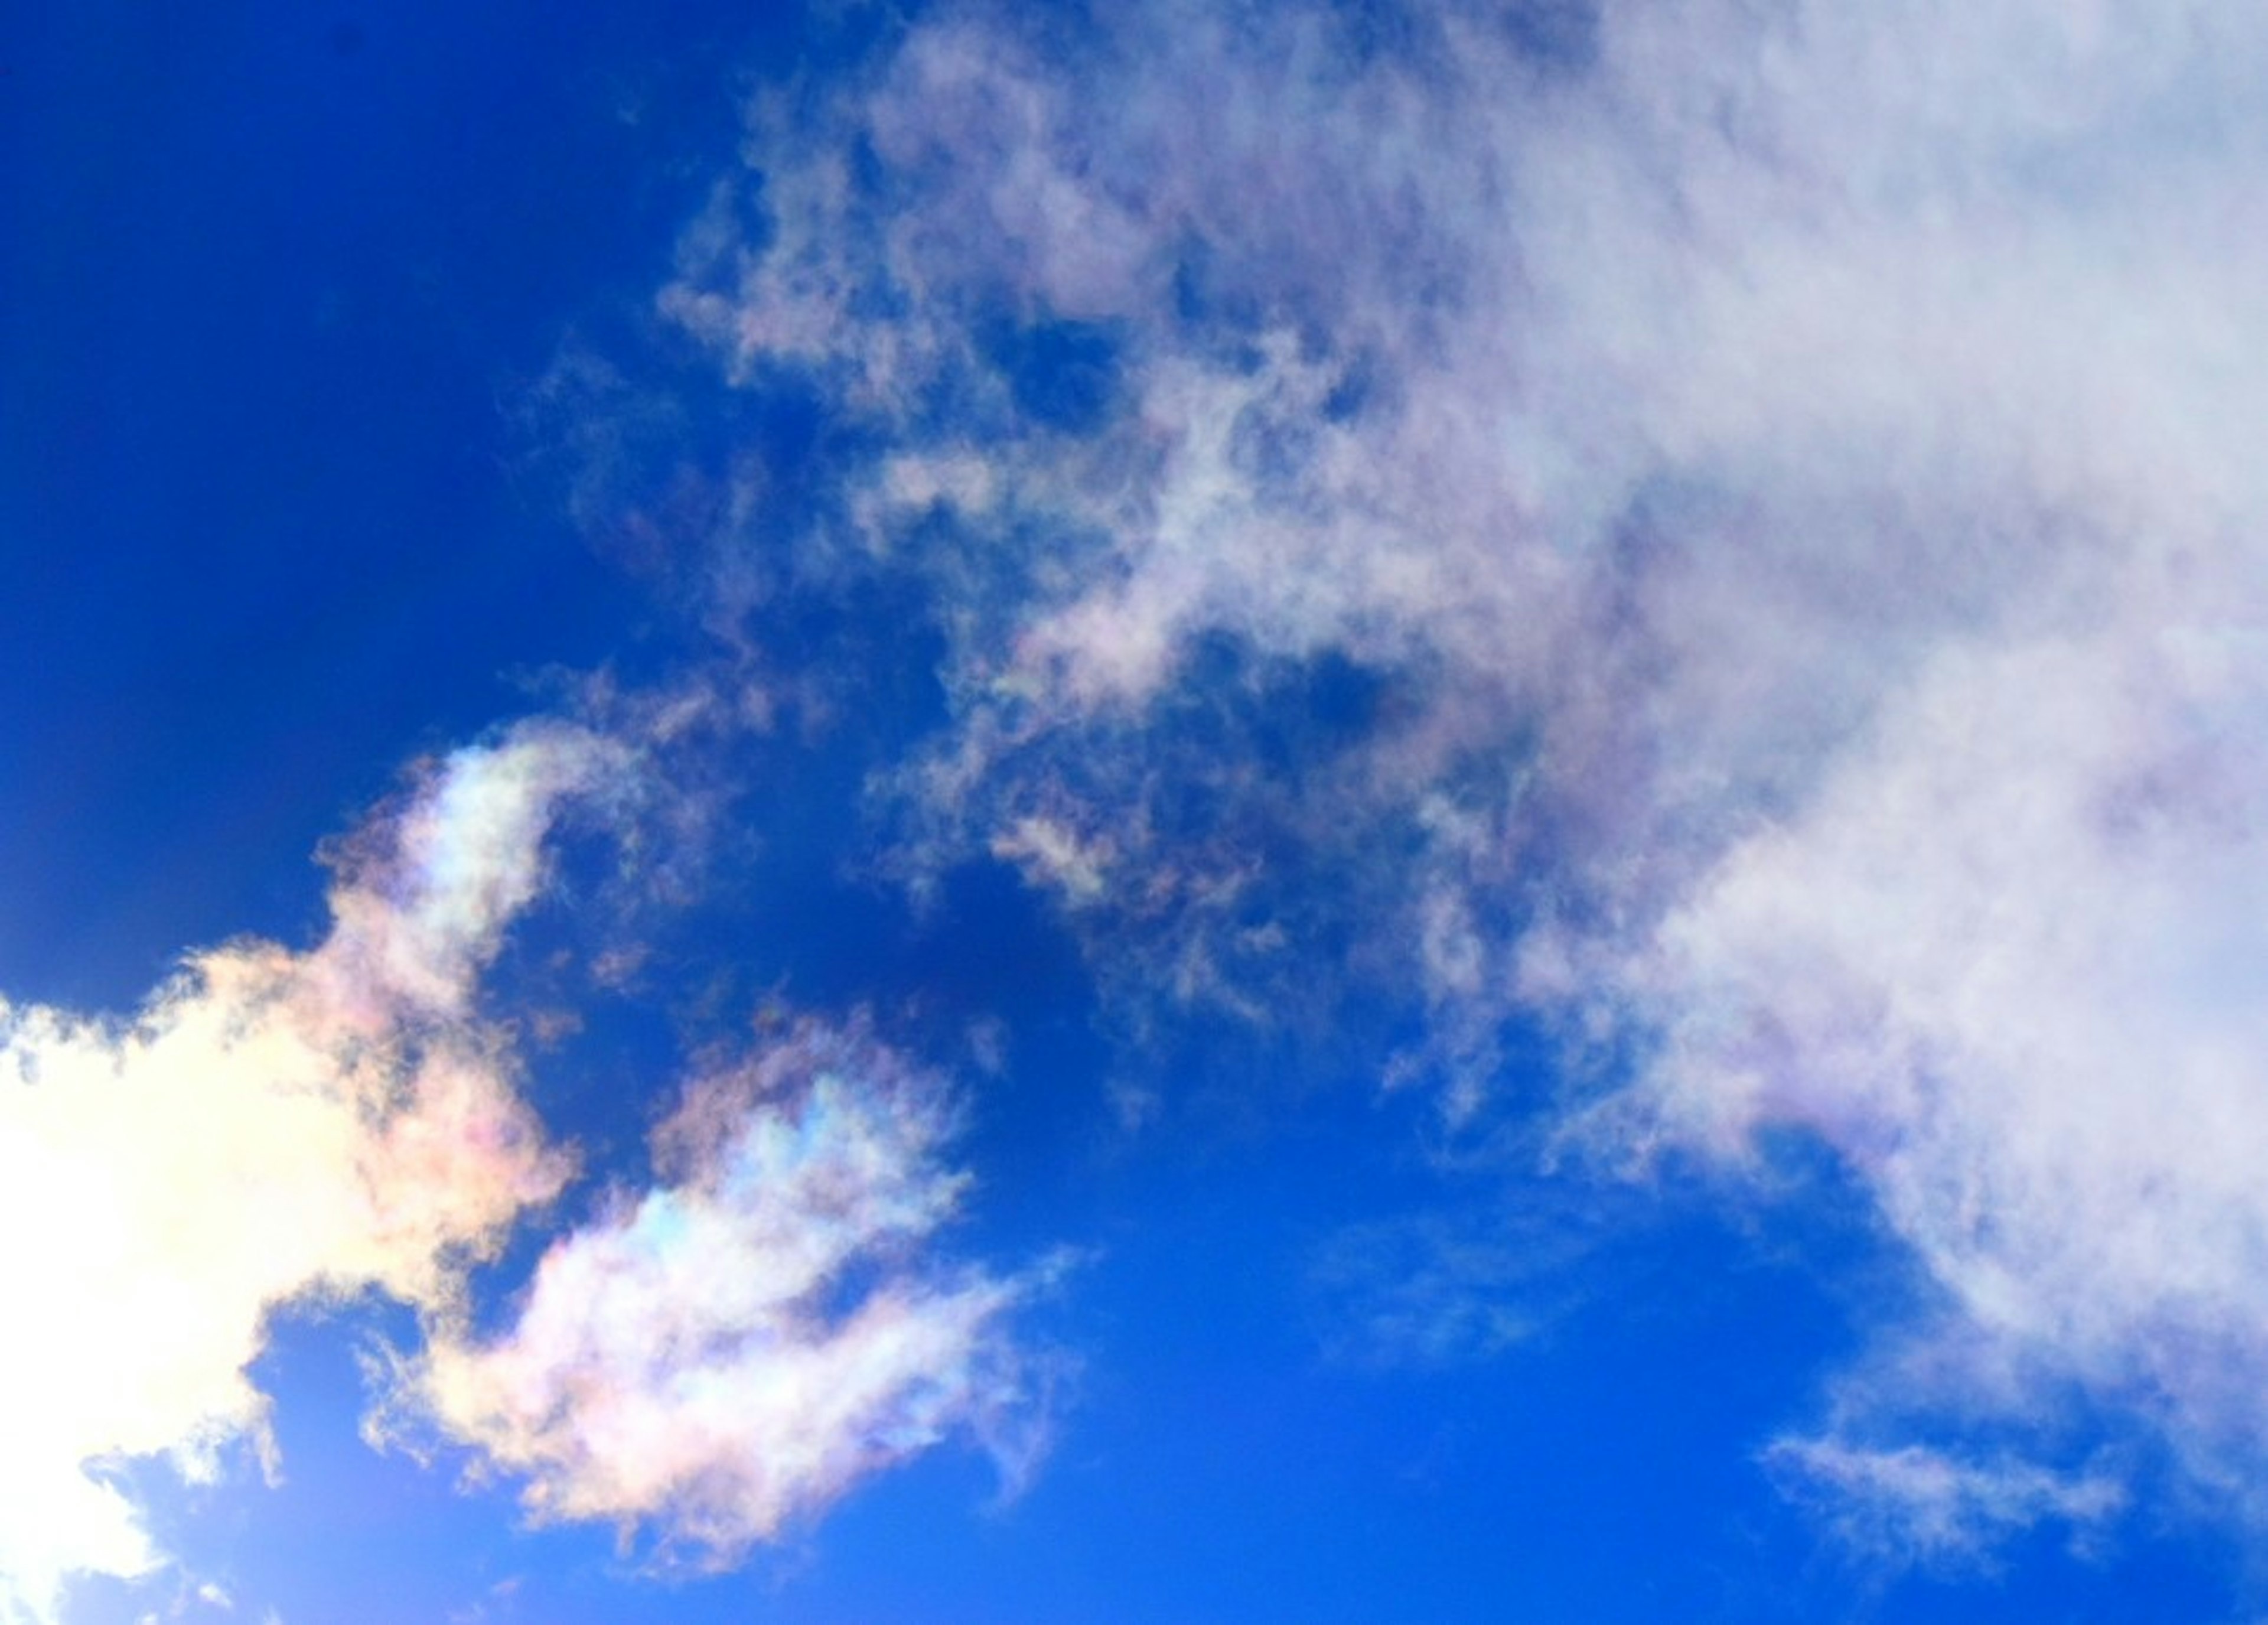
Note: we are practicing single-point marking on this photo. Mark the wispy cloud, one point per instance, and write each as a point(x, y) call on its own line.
point(731, 1351)
point(1914, 1504)
point(1450, 1286)
point(1776, 488)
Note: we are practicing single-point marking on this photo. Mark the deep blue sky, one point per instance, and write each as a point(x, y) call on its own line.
point(262, 258)
point(342, 424)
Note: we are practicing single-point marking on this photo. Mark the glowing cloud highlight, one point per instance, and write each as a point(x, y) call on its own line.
point(271, 1127)
point(735, 1349)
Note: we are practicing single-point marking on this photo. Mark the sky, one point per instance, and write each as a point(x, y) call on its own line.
point(1148, 814)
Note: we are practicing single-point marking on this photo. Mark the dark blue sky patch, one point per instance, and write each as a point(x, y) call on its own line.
point(1063, 375)
point(1300, 712)
point(1211, 307)
point(1559, 36)
point(266, 319)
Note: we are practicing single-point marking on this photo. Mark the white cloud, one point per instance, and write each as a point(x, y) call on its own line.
point(1795, 476)
point(271, 1127)
point(1915, 1504)
point(733, 1351)
point(2004, 963)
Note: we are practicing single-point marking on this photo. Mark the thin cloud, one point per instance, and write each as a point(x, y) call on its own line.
point(1441, 1289)
point(1914, 1505)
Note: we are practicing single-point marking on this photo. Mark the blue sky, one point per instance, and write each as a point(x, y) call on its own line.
point(1377, 812)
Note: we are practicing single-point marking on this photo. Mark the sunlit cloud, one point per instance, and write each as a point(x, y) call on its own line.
point(271, 1127)
point(715, 1358)
point(1718, 547)
point(728, 1352)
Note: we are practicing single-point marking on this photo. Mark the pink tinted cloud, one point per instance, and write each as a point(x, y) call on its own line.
point(270, 1128)
point(730, 1351)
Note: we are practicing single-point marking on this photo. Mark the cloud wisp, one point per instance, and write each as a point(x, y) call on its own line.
point(1731, 535)
point(728, 1352)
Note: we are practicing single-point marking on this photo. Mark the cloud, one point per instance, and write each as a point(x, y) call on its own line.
point(1736, 543)
point(2002, 962)
point(271, 1127)
point(733, 1351)
point(1917, 1505)
point(715, 1358)
point(1449, 1285)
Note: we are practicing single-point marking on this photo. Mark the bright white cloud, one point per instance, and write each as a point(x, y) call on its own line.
point(734, 1349)
point(1793, 475)
point(272, 1127)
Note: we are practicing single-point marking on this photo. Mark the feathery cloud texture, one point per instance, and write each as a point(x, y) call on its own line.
point(1720, 543)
